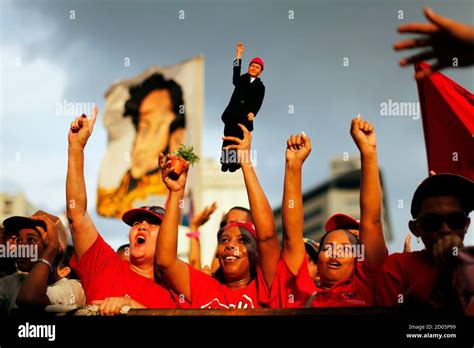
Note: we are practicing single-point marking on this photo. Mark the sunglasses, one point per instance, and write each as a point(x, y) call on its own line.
point(433, 222)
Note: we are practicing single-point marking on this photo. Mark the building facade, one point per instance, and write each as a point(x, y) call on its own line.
point(14, 204)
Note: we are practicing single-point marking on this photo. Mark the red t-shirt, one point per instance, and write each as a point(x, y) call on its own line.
point(292, 291)
point(103, 274)
point(405, 274)
point(207, 292)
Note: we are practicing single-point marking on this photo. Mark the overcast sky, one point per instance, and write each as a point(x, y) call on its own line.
point(48, 58)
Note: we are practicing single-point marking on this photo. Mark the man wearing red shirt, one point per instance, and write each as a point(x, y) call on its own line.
point(440, 209)
point(107, 280)
point(248, 257)
point(347, 266)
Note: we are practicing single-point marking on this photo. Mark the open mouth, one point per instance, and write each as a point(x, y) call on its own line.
point(230, 258)
point(333, 264)
point(140, 239)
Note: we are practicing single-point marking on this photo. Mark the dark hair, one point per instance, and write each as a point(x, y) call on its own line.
point(444, 185)
point(152, 83)
point(253, 259)
point(224, 219)
point(313, 255)
point(65, 260)
point(352, 238)
point(242, 229)
point(178, 123)
point(123, 247)
point(445, 191)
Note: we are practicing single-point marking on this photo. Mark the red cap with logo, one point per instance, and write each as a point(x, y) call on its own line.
point(153, 213)
point(258, 61)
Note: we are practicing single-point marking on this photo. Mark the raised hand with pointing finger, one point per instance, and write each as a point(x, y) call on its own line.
point(81, 129)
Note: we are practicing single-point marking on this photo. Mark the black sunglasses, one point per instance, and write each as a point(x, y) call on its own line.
point(433, 222)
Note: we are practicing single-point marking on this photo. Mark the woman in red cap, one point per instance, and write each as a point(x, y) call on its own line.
point(248, 255)
point(108, 281)
point(244, 105)
point(349, 257)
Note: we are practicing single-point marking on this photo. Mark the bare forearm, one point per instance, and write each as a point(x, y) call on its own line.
point(262, 213)
point(33, 290)
point(167, 240)
point(83, 230)
point(293, 218)
point(292, 205)
point(370, 191)
point(75, 183)
point(194, 250)
point(371, 231)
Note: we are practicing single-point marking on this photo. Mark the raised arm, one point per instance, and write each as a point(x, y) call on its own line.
point(371, 232)
point(445, 40)
point(262, 214)
point(166, 254)
point(33, 290)
point(194, 244)
point(298, 148)
point(83, 230)
point(239, 50)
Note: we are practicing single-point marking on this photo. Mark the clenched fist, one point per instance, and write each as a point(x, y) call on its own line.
point(363, 134)
point(298, 148)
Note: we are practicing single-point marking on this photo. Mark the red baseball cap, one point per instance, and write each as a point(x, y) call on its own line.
point(247, 225)
point(341, 222)
point(154, 213)
point(259, 61)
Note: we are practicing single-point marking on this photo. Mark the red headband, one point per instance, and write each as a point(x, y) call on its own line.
point(247, 225)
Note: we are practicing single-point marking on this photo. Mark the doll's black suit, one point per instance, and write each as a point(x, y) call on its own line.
point(247, 97)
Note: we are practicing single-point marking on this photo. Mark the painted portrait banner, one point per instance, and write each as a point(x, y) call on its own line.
point(153, 112)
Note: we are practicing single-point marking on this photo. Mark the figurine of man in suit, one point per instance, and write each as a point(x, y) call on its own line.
point(243, 106)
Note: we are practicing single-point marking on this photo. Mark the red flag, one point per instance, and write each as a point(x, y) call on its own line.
point(447, 111)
